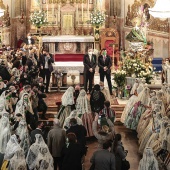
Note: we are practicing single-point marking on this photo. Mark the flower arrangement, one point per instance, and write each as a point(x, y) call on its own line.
point(136, 68)
point(38, 18)
point(97, 18)
point(120, 78)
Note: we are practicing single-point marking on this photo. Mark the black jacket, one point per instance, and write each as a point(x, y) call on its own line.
point(107, 63)
point(89, 64)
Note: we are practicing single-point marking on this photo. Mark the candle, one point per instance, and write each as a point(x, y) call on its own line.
point(47, 12)
point(58, 12)
point(82, 12)
point(88, 9)
point(77, 13)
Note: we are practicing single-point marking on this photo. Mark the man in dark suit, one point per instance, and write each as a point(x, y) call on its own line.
point(29, 40)
point(45, 62)
point(90, 63)
point(38, 130)
point(104, 63)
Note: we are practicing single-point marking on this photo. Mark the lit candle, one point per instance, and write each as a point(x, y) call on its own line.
point(82, 12)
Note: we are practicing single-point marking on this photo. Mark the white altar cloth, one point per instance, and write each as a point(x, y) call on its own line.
point(65, 67)
point(68, 38)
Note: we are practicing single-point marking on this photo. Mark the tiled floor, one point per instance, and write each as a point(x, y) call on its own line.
point(130, 143)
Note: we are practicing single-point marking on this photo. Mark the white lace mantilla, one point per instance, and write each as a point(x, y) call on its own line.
point(68, 38)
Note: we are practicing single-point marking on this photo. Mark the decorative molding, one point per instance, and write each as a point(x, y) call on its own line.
point(154, 23)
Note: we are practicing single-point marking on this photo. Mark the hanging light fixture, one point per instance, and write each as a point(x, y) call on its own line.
point(2, 8)
point(161, 9)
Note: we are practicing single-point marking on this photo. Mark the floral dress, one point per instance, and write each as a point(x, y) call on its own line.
point(134, 115)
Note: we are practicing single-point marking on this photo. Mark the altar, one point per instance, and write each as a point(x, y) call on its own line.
point(68, 44)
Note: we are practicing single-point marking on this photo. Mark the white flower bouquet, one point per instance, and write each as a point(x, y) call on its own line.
point(38, 18)
point(120, 78)
point(97, 18)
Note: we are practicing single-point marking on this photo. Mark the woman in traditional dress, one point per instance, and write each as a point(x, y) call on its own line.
point(4, 136)
point(134, 115)
point(22, 131)
point(156, 128)
point(138, 109)
point(148, 162)
point(157, 144)
point(24, 107)
point(141, 86)
point(84, 111)
point(148, 131)
point(4, 133)
point(132, 100)
point(134, 88)
point(160, 102)
point(146, 116)
point(67, 101)
point(39, 157)
point(12, 147)
point(18, 162)
point(73, 114)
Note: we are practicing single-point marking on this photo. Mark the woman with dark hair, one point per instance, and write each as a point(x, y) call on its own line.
point(72, 153)
point(120, 153)
point(97, 99)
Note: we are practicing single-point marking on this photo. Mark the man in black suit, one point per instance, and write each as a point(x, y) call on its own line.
point(104, 63)
point(29, 40)
point(45, 61)
point(38, 130)
point(90, 63)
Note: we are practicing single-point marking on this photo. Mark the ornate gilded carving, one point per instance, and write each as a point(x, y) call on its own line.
point(153, 23)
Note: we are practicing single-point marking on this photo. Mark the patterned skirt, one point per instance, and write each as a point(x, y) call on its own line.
point(145, 137)
point(87, 120)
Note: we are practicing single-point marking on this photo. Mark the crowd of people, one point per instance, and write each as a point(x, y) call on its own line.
point(25, 142)
point(147, 112)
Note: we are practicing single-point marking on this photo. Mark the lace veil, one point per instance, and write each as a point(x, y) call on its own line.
point(68, 98)
point(22, 131)
point(38, 156)
point(83, 104)
point(18, 162)
point(73, 114)
point(144, 96)
point(12, 147)
point(21, 105)
point(4, 133)
point(148, 161)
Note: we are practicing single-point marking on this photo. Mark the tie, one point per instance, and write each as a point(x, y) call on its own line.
point(90, 57)
point(104, 58)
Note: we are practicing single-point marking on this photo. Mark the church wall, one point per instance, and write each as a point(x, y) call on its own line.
point(160, 39)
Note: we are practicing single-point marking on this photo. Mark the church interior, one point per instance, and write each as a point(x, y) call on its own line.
point(43, 80)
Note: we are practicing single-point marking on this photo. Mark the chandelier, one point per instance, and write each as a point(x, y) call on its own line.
point(161, 9)
point(2, 8)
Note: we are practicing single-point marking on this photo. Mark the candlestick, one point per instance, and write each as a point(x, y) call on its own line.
point(82, 12)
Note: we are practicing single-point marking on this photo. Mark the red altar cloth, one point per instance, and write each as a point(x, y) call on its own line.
point(68, 57)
